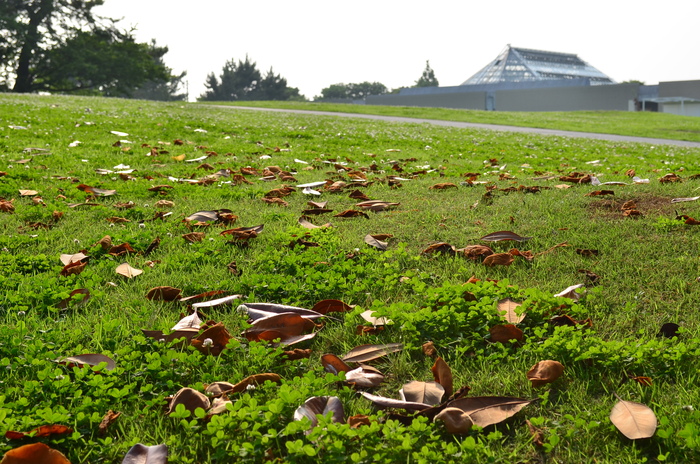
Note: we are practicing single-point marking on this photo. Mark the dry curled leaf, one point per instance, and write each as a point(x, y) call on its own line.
point(456, 421)
point(194, 237)
point(190, 398)
point(350, 213)
point(6, 206)
point(308, 225)
point(296, 353)
point(142, 454)
point(570, 292)
point(372, 319)
point(429, 349)
point(630, 204)
point(358, 420)
point(74, 268)
point(117, 220)
point(440, 247)
point(633, 213)
point(499, 259)
point(688, 220)
point(585, 252)
point(670, 177)
point(364, 377)
point(127, 271)
point(331, 306)
point(67, 302)
point(376, 243)
point(92, 360)
point(384, 402)
point(220, 388)
point(36, 453)
point(120, 250)
point(597, 193)
point(476, 252)
point(642, 380)
point(333, 364)
point(41, 431)
point(105, 242)
point(212, 340)
point(545, 372)
point(536, 434)
point(504, 235)
point(321, 405)
point(107, 420)
point(366, 353)
point(163, 293)
point(164, 204)
point(442, 374)
point(442, 186)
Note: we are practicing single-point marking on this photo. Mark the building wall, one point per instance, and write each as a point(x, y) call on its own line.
point(685, 109)
point(690, 89)
point(593, 98)
point(597, 97)
point(459, 100)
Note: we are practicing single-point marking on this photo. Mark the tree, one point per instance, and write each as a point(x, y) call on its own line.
point(61, 46)
point(274, 87)
point(358, 91)
point(428, 78)
point(100, 62)
point(31, 27)
point(161, 89)
point(243, 82)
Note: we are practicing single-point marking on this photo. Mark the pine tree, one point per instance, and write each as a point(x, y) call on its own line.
point(428, 78)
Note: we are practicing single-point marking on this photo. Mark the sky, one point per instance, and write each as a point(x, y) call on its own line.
point(314, 44)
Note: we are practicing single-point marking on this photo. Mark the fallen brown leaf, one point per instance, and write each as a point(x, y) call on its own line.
point(107, 420)
point(429, 349)
point(502, 259)
point(127, 271)
point(442, 186)
point(545, 372)
point(507, 308)
point(36, 453)
point(536, 434)
point(350, 213)
point(142, 454)
point(504, 333)
point(634, 420)
point(190, 398)
point(366, 353)
point(442, 374)
point(164, 293)
point(41, 432)
point(455, 420)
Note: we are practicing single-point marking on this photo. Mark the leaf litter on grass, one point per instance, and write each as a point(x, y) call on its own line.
point(197, 282)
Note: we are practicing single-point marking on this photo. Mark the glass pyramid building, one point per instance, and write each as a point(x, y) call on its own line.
point(526, 65)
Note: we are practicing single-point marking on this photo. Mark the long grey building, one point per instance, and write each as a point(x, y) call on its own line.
point(521, 79)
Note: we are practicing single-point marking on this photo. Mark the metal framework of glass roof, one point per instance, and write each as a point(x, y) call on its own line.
point(526, 65)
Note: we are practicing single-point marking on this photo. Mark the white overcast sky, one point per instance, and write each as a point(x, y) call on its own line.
point(314, 43)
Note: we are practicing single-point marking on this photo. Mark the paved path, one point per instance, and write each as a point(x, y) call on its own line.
point(472, 125)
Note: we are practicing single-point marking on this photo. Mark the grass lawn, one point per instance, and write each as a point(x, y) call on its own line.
point(647, 124)
point(211, 204)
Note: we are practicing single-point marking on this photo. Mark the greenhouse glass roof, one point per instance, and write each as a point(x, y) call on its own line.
point(525, 65)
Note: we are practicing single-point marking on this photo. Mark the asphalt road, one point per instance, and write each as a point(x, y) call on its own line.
point(471, 125)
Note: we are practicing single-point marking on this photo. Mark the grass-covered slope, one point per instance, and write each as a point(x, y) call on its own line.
point(640, 124)
point(639, 272)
